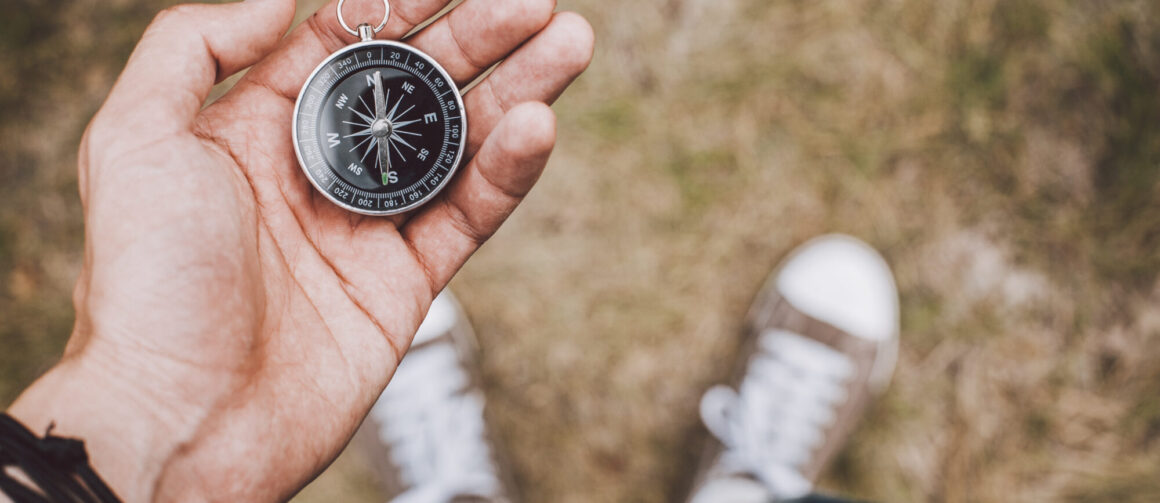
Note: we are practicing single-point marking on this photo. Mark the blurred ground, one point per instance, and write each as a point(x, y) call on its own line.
point(1004, 155)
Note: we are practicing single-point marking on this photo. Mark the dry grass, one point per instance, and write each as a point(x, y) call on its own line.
point(1003, 154)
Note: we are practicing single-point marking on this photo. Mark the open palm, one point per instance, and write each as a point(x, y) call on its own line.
point(233, 325)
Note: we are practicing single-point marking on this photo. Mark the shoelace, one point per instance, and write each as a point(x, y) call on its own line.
point(435, 430)
point(772, 425)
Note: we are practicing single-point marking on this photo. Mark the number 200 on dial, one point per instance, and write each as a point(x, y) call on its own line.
point(379, 128)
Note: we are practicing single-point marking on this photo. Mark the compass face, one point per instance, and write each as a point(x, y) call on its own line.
point(379, 128)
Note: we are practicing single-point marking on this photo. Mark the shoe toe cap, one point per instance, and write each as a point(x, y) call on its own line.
point(844, 282)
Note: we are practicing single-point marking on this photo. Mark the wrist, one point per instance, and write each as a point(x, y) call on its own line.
point(128, 436)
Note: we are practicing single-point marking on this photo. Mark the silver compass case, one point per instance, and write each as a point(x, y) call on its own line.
point(379, 127)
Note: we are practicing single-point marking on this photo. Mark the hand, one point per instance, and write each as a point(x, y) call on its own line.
point(233, 326)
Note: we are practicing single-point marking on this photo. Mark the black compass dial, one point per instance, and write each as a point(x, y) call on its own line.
point(379, 128)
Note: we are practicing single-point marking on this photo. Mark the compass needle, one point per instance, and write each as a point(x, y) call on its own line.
point(394, 155)
point(380, 128)
point(380, 99)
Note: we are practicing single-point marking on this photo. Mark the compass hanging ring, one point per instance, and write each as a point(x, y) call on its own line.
point(352, 31)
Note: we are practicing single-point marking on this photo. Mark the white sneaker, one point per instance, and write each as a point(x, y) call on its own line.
point(822, 340)
point(426, 432)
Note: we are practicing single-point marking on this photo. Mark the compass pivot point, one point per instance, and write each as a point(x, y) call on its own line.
point(382, 128)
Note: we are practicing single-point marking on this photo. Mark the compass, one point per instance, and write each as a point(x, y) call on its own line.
point(379, 126)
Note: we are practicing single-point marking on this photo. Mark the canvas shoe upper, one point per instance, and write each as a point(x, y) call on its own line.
point(821, 341)
point(426, 433)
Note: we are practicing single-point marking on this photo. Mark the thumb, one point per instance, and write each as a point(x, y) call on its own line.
point(184, 52)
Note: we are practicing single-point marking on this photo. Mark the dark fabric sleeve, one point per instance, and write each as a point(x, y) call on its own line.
point(57, 467)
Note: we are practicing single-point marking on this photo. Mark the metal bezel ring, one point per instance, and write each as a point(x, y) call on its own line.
point(386, 16)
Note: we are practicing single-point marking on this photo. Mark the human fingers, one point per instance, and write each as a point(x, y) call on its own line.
point(445, 233)
point(286, 68)
point(479, 33)
point(539, 71)
point(184, 51)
